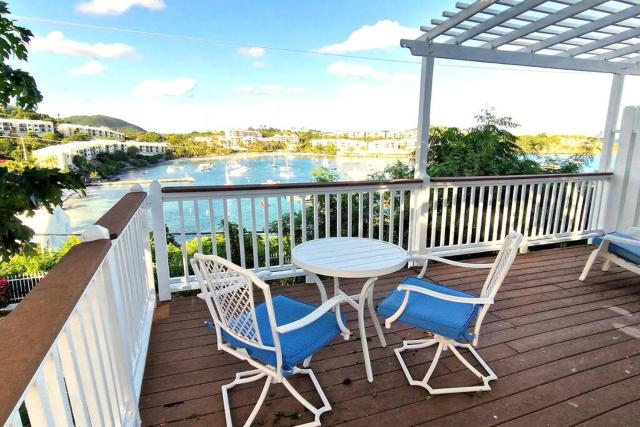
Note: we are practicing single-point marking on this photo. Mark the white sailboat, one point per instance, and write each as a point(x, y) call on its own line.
point(286, 171)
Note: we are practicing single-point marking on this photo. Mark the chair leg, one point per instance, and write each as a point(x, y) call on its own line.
point(374, 316)
point(589, 264)
point(445, 344)
point(317, 412)
point(243, 378)
point(607, 265)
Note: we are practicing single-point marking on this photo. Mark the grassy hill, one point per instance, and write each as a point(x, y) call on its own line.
point(110, 122)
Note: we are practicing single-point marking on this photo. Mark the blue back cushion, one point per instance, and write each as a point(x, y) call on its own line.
point(449, 319)
point(627, 252)
point(296, 345)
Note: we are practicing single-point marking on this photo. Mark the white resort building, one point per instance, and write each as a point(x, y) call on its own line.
point(384, 147)
point(69, 129)
point(20, 127)
point(61, 156)
point(236, 138)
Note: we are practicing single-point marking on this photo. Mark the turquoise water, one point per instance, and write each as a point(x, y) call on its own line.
point(237, 169)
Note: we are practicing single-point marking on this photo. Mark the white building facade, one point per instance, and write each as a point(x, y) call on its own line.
point(69, 129)
point(20, 127)
point(61, 156)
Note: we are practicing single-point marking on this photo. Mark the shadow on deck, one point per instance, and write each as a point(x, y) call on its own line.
point(565, 353)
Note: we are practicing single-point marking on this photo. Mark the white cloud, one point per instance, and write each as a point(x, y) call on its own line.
point(269, 89)
point(91, 68)
point(159, 88)
point(251, 52)
point(297, 90)
point(341, 68)
point(117, 7)
point(55, 42)
point(257, 64)
point(247, 89)
point(381, 35)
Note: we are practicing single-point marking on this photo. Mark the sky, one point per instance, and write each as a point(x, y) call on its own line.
point(199, 65)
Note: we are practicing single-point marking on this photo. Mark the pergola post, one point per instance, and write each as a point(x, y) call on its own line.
point(424, 117)
point(418, 206)
point(613, 112)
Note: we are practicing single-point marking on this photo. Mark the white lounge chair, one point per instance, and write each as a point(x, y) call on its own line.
point(451, 316)
point(622, 249)
point(274, 336)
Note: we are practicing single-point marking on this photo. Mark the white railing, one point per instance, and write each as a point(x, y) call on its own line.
point(251, 225)
point(475, 214)
point(89, 341)
point(444, 215)
point(20, 285)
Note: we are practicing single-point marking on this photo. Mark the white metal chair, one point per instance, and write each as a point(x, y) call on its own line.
point(448, 314)
point(274, 336)
point(622, 249)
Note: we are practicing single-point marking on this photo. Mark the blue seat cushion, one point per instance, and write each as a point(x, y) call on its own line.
point(296, 345)
point(627, 252)
point(446, 318)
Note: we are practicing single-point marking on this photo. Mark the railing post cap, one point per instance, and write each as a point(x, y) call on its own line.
point(95, 232)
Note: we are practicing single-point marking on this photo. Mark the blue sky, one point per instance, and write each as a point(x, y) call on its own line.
point(235, 75)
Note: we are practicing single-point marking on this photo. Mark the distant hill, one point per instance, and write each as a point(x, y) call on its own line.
point(110, 122)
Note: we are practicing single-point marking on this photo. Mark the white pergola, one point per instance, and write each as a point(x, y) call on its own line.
point(601, 36)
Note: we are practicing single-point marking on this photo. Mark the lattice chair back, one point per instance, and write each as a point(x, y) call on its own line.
point(496, 275)
point(229, 294)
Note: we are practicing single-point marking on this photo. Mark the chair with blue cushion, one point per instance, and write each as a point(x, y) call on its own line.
point(452, 317)
point(622, 249)
point(274, 336)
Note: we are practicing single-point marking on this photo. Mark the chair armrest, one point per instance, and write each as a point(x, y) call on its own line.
point(425, 259)
point(622, 240)
point(313, 316)
point(446, 297)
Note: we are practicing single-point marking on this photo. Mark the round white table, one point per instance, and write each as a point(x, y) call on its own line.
point(351, 257)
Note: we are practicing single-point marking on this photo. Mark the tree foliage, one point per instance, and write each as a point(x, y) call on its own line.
point(15, 84)
point(25, 192)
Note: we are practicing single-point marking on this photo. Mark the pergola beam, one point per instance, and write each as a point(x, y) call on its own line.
point(478, 54)
point(612, 19)
point(496, 20)
point(461, 16)
point(562, 14)
point(607, 41)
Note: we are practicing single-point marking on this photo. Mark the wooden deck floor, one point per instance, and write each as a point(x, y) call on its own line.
point(565, 352)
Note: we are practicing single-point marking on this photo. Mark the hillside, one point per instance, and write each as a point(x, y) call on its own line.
point(110, 122)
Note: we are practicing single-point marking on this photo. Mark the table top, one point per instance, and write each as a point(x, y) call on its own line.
point(352, 257)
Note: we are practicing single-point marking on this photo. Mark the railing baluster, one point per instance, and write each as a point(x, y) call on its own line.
point(371, 214)
point(243, 261)
point(401, 218)
point(530, 195)
point(254, 234)
point(327, 215)
point(586, 211)
point(360, 215)
point(212, 222)
point(196, 210)
point(267, 242)
point(227, 232)
point(487, 231)
point(496, 216)
point(565, 207)
point(512, 216)
point(339, 214)
point(463, 216)
point(480, 214)
point(72, 379)
point(434, 215)
point(550, 214)
point(280, 240)
point(392, 214)
point(303, 222)
point(381, 215)
point(454, 216)
point(183, 243)
point(443, 213)
point(292, 222)
point(316, 226)
point(541, 224)
point(349, 214)
point(472, 205)
point(37, 403)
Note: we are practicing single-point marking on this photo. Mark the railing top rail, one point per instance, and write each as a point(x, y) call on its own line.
point(286, 186)
point(117, 218)
point(28, 333)
point(453, 179)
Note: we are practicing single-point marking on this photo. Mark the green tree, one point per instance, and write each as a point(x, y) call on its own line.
point(322, 174)
point(23, 189)
point(14, 83)
point(150, 137)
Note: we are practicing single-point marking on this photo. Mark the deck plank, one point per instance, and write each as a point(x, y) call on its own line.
point(557, 345)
